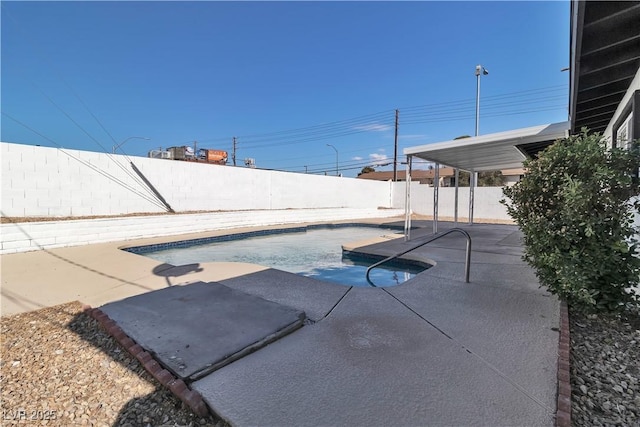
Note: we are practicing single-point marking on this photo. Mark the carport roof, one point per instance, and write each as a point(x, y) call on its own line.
point(494, 151)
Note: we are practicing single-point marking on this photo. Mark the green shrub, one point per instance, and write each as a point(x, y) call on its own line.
point(575, 207)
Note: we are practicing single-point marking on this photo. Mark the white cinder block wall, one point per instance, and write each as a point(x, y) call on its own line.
point(30, 236)
point(487, 201)
point(50, 182)
point(43, 181)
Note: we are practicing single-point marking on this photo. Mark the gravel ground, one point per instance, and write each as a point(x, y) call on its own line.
point(58, 367)
point(605, 370)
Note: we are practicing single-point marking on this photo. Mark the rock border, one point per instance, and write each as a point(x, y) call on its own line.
point(189, 397)
point(563, 412)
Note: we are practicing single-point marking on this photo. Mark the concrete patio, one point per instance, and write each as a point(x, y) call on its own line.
point(432, 351)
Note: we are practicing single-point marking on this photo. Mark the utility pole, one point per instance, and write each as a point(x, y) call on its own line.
point(233, 156)
point(395, 151)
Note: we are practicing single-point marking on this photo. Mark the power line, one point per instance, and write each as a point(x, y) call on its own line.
point(468, 116)
point(338, 123)
point(490, 106)
point(384, 120)
point(555, 88)
point(44, 59)
point(89, 165)
point(105, 150)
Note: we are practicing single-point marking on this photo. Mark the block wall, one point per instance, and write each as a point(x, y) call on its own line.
point(31, 236)
point(51, 182)
point(486, 201)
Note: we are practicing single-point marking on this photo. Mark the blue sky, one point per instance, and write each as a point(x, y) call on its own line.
point(285, 78)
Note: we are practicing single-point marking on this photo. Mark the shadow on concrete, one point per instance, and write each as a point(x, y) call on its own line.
point(75, 264)
point(20, 300)
point(168, 270)
point(157, 408)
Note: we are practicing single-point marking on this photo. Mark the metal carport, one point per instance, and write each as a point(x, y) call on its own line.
point(489, 152)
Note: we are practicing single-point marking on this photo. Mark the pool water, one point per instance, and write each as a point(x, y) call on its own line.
point(316, 253)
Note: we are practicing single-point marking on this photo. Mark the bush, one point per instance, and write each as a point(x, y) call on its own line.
point(575, 207)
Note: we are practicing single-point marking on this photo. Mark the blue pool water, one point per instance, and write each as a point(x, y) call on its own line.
point(313, 253)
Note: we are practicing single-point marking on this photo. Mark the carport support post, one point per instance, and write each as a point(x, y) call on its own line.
point(407, 202)
point(472, 183)
point(455, 198)
point(436, 187)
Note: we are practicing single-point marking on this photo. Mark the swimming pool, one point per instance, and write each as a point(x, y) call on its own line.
point(309, 251)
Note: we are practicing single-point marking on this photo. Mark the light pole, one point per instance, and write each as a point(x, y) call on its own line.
point(473, 175)
point(480, 70)
point(337, 170)
point(115, 147)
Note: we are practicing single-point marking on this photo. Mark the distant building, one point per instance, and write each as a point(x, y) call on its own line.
point(447, 176)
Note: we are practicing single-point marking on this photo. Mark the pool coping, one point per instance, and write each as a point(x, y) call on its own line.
point(186, 243)
point(349, 249)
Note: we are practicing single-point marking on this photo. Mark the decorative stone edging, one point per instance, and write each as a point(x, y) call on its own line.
point(563, 413)
point(190, 397)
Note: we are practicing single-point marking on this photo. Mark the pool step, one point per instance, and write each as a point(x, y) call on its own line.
point(194, 329)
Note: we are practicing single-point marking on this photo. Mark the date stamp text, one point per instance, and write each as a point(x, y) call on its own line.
point(22, 414)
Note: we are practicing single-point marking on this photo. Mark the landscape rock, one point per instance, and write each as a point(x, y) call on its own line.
point(59, 367)
point(605, 366)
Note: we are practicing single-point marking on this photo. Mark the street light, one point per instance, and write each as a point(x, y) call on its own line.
point(480, 70)
point(473, 176)
point(337, 171)
point(115, 147)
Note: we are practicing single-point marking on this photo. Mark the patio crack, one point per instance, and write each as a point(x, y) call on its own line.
point(336, 304)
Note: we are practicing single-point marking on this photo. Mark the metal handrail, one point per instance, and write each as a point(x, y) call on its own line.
point(435, 237)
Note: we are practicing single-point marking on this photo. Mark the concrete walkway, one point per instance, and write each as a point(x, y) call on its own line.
point(432, 351)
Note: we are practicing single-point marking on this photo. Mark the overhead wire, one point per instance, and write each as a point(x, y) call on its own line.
point(48, 63)
point(134, 176)
point(469, 116)
point(320, 134)
point(555, 88)
point(496, 105)
point(368, 118)
point(456, 110)
point(384, 120)
point(258, 139)
point(485, 106)
point(539, 99)
point(109, 155)
point(88, 164)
